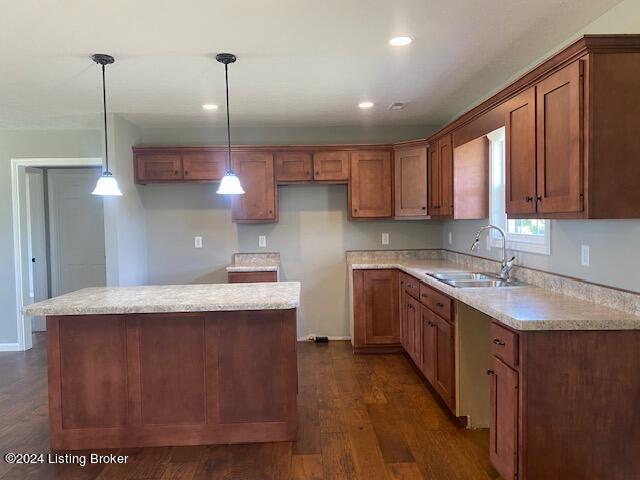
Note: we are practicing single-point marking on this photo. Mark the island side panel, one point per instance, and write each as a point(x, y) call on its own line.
point(164, 379)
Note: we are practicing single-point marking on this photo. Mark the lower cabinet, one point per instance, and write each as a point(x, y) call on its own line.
point(503, 439)
point(252, 277)
point(376, 325)
point(438, 355)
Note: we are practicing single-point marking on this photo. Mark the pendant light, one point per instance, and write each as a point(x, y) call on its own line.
point(230, 183)
point(107, 184)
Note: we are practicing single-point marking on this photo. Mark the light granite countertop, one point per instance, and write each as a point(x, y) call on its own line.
point(171, 298)
point(255, 262)
point(523, 308)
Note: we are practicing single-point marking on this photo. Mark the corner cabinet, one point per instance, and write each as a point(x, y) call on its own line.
point(259, 202)
point(370, 188)
point(410, 165)
point(376, 325)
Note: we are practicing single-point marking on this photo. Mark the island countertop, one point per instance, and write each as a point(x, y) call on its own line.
point(171, 298)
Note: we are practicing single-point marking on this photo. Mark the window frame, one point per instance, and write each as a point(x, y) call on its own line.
point(538, 244)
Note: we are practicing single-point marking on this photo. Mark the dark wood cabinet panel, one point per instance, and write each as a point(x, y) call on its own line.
point(402, 310)
point(410, 182)
point(252, 277)
point(209, 166)
point(445, 156)
point(471, 180)
point(414, 329)
point(504, 405)
point(370, 190)
point(445, 361)
point(331, 166)
point(154, 167)
point(559, 145)
point(376, 310)
point(258, 204)
point(172, 369)
point(434, 190)
point(92, 366)
point(428, 365)
point(520, 153)
point(293, 167)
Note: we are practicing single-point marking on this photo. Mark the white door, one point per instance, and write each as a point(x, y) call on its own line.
point(36, 242)
point(76, 229)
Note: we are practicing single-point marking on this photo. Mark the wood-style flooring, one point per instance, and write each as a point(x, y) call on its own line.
point(361, 417)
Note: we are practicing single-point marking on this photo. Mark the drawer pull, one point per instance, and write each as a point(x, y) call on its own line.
point(498, 342)
point(440, 305)
point(431, 324)
point(490, 372)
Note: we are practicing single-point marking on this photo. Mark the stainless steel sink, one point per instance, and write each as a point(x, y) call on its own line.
point(492, 283)
point(444, 276)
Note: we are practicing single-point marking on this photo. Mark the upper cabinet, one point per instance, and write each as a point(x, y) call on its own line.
point(370, 190)
point(440, 173)
point(410, 165)
point(471, 179)
point(331, 166)
point(292, 167)
point(259, 202)
point(159, 165)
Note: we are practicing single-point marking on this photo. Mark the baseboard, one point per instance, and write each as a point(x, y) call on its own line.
point(10, 347)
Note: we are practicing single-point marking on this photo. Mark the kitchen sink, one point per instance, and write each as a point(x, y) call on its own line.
point(490, 282)
point(444, 276)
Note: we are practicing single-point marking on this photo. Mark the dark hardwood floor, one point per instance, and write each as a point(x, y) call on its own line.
point(361, 417)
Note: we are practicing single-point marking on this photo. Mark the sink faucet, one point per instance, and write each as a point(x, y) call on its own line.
point(505, 265)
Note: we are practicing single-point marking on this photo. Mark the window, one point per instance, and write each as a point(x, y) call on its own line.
point(530, 235)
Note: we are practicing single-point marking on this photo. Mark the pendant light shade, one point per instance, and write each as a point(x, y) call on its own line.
point(107, 184)
point(230, 183)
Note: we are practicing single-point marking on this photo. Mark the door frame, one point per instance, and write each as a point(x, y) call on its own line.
point(24, 328)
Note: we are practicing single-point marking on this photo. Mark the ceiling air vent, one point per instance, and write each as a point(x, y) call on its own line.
point(397, 106)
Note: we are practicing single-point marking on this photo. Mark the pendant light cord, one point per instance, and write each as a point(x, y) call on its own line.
point(104, 107)
point(226, 81)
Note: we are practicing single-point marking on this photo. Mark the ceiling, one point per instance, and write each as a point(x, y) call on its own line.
point(300, 63)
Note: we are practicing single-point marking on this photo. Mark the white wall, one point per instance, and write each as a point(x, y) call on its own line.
point(615, 260)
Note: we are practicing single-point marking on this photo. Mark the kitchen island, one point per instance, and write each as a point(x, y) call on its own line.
point(171, 365)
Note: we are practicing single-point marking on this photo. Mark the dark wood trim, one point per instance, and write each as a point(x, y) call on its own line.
point(570, 53)
point(261, 147)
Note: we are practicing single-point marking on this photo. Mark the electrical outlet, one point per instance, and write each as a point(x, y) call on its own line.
point(450, 238)
point(385, 239)
point(584, 255)
point(197, 242)
point(262, 241)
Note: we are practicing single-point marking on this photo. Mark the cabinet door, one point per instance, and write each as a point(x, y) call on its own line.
point(520, 152)
point(162, 167)
point(428, 365)
point(413, 317)
point(204, 166)
point(258, 204)
point(559, 130)
point(331, 166)
point(381, 307)
point(503, 429)
point(444, 381)
point(434, 180)
point(293, 167)
point(402, 311)
point(445, 157)
point(411, 182)
point(370, 186)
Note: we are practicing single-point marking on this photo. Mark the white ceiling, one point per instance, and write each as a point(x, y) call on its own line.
point(300, 62)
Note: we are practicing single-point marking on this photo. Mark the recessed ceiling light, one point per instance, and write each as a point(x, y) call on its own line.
point(365, 105)
point(397, 106)
point(209, 106)
point(400, 41)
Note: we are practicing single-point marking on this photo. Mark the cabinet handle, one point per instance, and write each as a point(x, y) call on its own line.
point(490, 372)
point(424, 208)
point(307, 172)
point(317, 172)
point(270, 211)
point(424, 295)
point(175, 172)
point(431, 324)
point(440, 304)
point(498, 342)
point(539, 198)
point(186, 172)
point(409, 305)
point(529, 199)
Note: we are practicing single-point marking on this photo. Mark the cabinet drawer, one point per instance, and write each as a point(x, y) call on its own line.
point(436, 301)
point(504, 344)
point(412, 286)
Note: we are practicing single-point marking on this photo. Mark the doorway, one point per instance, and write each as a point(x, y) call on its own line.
point(59, 243)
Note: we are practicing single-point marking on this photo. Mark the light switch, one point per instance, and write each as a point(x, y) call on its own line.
point(584, 255)
point(262, 241)
point(197, 242)
point(385, 239)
